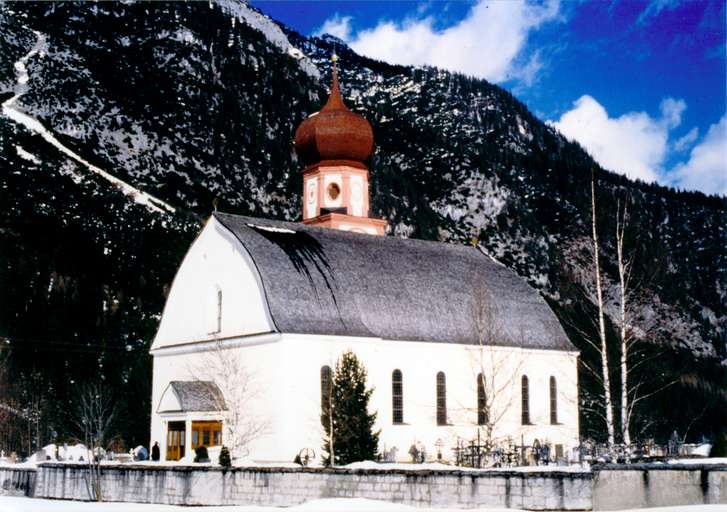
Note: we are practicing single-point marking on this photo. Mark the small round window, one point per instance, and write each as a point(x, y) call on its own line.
point(334, 191)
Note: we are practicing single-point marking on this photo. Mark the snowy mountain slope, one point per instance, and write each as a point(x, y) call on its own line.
point(192, 102)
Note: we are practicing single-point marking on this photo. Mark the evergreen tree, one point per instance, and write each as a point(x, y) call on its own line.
point(351, 423)
point(719, 448)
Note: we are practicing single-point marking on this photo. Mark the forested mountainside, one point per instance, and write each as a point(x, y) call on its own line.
point(122, 123)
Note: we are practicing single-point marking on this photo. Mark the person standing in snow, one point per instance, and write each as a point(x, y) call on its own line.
point(155, 452)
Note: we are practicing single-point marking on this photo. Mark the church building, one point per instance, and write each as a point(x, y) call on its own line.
point(456, 345)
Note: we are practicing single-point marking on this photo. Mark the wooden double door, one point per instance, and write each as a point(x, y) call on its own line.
point(176, 433)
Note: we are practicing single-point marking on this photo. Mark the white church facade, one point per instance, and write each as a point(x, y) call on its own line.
point(454, 343)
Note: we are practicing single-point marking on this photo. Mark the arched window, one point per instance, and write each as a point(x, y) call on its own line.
point(553, 401)
point(215, 310)
point(481, 401)
point(397, 397)
point(525, 395)
point(441, 399)
point(325, 388)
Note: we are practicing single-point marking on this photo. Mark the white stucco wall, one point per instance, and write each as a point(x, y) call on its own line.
point(215, 260)
point(419, 363)
point(284, 374)
point(258, 358)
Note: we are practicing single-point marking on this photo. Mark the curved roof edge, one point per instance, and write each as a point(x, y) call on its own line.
point(330, 282)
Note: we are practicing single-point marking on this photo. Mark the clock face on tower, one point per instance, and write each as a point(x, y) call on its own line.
point(312, 193)
point(311, 198)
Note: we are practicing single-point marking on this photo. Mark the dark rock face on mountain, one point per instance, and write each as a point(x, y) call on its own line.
point(123, 123)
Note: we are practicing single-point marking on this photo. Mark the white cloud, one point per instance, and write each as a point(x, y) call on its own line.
point(687, 140)
point(706, 169)
point(655, 7)
point(338, 26)
point(633, 144)
point(488, 43)
point(671, 111)
point(636, 144)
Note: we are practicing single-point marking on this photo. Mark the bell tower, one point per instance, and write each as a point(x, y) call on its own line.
point(334, 145)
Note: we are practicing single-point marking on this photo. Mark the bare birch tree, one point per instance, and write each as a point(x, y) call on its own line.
point(624, 290)
point(628, 302)
point(497, 370)
point(236, 384)
point(94, 415)
point(608, 403)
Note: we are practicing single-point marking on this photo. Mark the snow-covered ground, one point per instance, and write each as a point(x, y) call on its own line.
point(11, 504)
point(436, 466)
point(712, 460)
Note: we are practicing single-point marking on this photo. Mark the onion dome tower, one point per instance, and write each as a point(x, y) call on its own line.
point(334, 144)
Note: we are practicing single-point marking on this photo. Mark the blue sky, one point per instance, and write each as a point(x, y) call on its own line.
point(640, 84)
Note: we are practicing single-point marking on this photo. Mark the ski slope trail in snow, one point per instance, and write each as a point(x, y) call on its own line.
point(32, 124)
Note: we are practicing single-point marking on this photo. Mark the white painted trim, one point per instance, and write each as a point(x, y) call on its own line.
point(207, 345)
point(453, 345)
point(194, 416)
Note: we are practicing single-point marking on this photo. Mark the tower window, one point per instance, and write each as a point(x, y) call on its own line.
point(553, 402)
point(525, 396)
point(441, 399)
point(397, 397)
point(481, 401)
point(334, 191)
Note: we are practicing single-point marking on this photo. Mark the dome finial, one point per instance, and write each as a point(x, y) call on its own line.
point(335, 101)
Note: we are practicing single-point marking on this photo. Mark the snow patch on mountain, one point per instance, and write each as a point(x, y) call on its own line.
point(36, 126)
point(25, 155)
point(270, 30)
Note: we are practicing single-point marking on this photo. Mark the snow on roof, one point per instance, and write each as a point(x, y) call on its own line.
point(326, 281)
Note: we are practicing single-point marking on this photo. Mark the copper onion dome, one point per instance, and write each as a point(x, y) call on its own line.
point(335, 135)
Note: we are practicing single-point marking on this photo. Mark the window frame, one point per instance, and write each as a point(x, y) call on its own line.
point(397, 397)
point(525, 401)
point(326, 379)
point(482, 418)
point(553, 388)
point(215, 310)
point(441, 399)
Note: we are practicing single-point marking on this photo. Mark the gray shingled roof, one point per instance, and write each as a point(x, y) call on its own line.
point(326, 281)
point(198, 395)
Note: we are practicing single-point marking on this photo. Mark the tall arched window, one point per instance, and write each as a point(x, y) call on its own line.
point(525, 395)
point(325, 388)
point(441, 399)
point(481, 401)
point(397, 397)
point(553, 401)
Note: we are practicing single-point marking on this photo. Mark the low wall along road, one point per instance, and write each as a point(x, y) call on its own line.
point(603, 488)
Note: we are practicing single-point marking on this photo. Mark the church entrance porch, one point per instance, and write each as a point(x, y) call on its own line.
point(190, 413)
point(176, 436)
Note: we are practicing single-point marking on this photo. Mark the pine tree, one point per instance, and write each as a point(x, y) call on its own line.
point(352, 425)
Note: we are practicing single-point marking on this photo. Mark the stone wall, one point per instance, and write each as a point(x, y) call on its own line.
point(200, 485)
point(17, 481)
point(658, 485)
point(606, 487)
